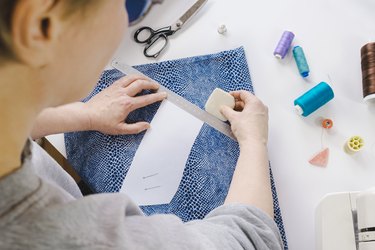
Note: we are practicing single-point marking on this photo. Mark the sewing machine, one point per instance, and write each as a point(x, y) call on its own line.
point(346, 221)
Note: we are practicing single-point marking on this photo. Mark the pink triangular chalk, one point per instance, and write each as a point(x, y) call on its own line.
point(320, 159)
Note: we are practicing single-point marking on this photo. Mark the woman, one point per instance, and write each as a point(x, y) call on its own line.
point(51, 52)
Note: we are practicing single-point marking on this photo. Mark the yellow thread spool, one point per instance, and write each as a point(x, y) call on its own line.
point(354, 145)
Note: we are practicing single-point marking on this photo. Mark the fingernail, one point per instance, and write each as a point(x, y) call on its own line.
point(164, 94)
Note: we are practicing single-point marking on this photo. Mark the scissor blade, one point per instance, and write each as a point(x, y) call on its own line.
point(191, 12)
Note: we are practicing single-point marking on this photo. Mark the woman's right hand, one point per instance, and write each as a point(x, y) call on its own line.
point(249, 119)
point(251, 179)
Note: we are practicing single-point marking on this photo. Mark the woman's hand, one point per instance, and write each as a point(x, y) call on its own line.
point(251, 179)
point(108, 110)
point(249, 120)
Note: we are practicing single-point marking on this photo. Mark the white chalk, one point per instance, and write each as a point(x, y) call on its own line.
point(217, 99)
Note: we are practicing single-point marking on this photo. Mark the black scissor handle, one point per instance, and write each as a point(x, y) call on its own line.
point(148, 38)
point(151, 44)
point(156, 40)
point(152, 34)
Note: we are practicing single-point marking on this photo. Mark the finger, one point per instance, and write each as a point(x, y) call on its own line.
point(239, 106)
point(145, 100)
point(127, 80)
point(235, 94)
point(137, 86)
point(243, 95)
point(227, 112)
point(134, 128)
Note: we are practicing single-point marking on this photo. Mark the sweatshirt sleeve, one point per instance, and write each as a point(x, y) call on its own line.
point(233, 226)
point(113, 221)
point(238, 226)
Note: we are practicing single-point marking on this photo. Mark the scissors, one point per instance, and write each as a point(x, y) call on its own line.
point(157, 40)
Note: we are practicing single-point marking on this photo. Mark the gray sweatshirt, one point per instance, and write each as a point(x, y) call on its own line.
point(44, 210)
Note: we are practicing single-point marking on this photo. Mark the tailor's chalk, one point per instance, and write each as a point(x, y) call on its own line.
point(321, 158)
point(300, 58)
point(217, 99)
point(313, 99)
point(284, 44)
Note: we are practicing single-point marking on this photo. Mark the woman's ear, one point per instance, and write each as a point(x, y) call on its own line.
point(34, 30)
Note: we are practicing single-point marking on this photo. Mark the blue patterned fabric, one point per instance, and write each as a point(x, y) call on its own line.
point(103, 161)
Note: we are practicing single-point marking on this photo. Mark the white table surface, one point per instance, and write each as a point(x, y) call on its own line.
point(331, 33)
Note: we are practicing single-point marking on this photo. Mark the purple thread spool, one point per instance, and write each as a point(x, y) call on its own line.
point(283, 45)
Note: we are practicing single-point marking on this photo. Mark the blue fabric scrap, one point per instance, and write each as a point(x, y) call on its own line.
point(103, 161)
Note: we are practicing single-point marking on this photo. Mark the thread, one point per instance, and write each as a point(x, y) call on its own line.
point(327, 123)
point(300, 58)
point(354, 144)
point(314, 99)
point(283, 45)
point(321, 158)
point(368, 71)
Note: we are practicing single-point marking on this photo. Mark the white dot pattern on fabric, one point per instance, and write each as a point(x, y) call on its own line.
point(103, 160)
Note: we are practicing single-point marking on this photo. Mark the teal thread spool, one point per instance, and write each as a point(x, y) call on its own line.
point(301, 62)
point(313, 99)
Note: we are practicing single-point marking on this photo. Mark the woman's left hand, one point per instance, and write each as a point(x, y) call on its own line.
point(108, 110)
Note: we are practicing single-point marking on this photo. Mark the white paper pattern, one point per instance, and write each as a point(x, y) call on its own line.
point(158, 165)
